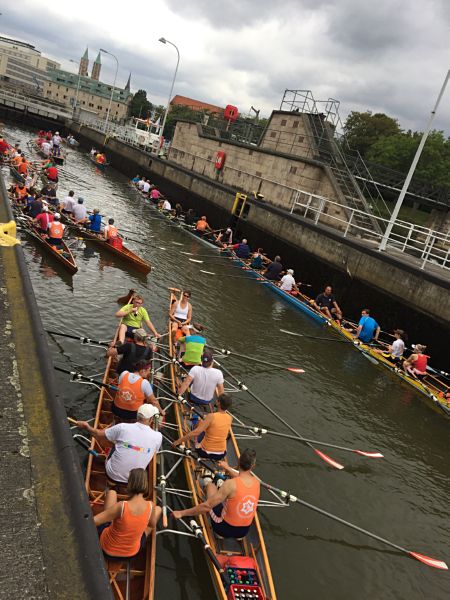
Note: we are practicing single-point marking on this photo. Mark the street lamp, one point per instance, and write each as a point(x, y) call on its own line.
point(412, 168)
point(164, 41)
point(114, 84)
point(75, 104)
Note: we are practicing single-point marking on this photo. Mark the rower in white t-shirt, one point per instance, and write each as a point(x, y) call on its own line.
point(146, 187)
point(166, 205)
point(203, 380)
point(287, 283)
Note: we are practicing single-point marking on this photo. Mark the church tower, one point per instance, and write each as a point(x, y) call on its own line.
point(84, 63)
point(128, 85)
point(96, 67)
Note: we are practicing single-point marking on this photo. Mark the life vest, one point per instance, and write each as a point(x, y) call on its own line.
point(112, 232)
point(55, 230)
point(240, 510)
point(421, 363)
point(22, 168)
point(129, 395)
point(201, 225)
point(21, 192)
point(123, 536)
point(215, 439)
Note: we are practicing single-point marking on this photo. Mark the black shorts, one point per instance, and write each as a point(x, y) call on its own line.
point(211, 455)
point(125, 415)
point(223, 528)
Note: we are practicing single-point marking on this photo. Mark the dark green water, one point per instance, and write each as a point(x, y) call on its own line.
point(342, 398)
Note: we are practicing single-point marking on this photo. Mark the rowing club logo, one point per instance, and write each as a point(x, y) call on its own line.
point(247, 506)
point(126, 396)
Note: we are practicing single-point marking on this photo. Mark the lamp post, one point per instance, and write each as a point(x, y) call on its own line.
point(75, 104)
point(164, 41)
point(412, 168)
point(114, 85)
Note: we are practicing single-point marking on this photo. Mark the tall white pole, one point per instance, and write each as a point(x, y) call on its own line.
point(164, 41)
point(75, 104)
point(412, 168)
point(114, 86)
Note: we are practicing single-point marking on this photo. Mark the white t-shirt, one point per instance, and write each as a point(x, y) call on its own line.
point(146, 187)
point(205, 381)
point(167, 205)
point(79, 212)
point(46, 147)
point(398, 347)
point(68, 203)
point(56, 140)
point(287, 282)
point(145, 440)
point(141, 184)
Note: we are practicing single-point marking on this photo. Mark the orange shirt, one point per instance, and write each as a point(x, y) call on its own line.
point(201, 225)
point(240, 510)
point(20, 192)
point(23, 168)
point(215, 439)
point(111, 232)
point(129, 395)
point(123, 536)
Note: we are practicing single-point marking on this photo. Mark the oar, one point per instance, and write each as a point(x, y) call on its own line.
point(162, 485)
point(319, 453)
point(258, 360)
point(82, 339)
point(313, 337)
point(80, 377)
point(262, 431)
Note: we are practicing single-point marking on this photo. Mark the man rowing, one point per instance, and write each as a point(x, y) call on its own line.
point(80, 212)
point(134, 443)
point(55, 231)
point(133, 315)
point(212, 431)
point(180, 314)
point(48, 192)
point(274, 269)
point(110, 232)
point(394, 352)
point(68, 203)
point(368, 328)
point(134, 391)
point(202, 226)
point(43, 219)
point(95, 221)
point(131, 352)
point(242, 249)
point(232, 507)
point(52, 173)
point(204, 379)
point(258, 261)
point(288, 284)
point(416, 364)
point(326, 303)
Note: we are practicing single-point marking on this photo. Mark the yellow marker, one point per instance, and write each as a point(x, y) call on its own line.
point(8, 234)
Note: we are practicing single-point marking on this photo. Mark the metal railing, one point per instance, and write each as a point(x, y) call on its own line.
point(117, 131)
point(423, 244)
point(20, 101)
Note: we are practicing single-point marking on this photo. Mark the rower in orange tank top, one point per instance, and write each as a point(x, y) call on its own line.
point(202, 225)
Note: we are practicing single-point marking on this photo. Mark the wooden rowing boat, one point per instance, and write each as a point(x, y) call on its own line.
point(142, 582)
point(63, 256)
point(58, 159)
point(125, 253)
point(250, 549)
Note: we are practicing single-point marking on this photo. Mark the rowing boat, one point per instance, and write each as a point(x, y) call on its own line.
point(142, 572)
point(15, 174)
point(125, 253)
point(247, 555)
point(97, 164)
point(59, 159)
point(63, 256)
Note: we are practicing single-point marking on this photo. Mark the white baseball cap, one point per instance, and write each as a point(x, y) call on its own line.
point(290, 271)
point(147, 411)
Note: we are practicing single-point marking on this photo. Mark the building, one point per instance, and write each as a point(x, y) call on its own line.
point(22, 65)
point(195, 105)
point(79, 90)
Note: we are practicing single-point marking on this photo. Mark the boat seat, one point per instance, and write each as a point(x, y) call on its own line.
point(114, 568)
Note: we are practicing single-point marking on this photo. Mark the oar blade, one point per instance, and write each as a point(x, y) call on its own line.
point(328, 459)
point(369, 454)
point(195, 260)
point(295, 370)
point(431, 562)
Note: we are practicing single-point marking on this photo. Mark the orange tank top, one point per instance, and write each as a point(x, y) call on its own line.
point(55, 230)
point(240, 510)
point(123, 536)
point(201, 225)
point(21, 192)
point(112, 232)
point(129, 395)
point(215, 439)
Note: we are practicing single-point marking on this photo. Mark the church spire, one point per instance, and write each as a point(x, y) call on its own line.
point(96, 67)
point(84, 63)
point(128, 85)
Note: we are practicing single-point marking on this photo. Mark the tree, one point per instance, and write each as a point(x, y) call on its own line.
point(363, 129)
point(139, 105)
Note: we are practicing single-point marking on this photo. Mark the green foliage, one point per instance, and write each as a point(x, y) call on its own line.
point(178, 113)
point(139, 105)
point(363, 129)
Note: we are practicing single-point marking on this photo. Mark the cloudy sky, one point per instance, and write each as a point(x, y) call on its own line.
point(389, 55)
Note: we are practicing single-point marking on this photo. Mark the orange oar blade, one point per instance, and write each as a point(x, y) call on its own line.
point(369, 454)
point(294, 370)
point(431, 562)
point(328, 460)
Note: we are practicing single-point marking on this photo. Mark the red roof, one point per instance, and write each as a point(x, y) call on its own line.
point(195, 104)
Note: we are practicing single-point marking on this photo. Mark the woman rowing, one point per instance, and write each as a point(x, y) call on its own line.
point(416, 364)
point(181, 314)
point(395, 350)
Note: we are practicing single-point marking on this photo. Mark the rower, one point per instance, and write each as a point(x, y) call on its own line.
point(125, 525)
point(257, 260)
point(17, 159)
point(133, 315)
point(20, 192)
point(212, 431)
point(52, 173)
point(155, 195)
point(110, 232)
point(48, 192)
point(165, 205)
point(67, 205)
point(134, 390)
point(204, 379)
point(131, 352)
point(140, 184)
point(368, 328)
point(202, 226)
point(101, 159)
point(190, 217)
point(145, 186)
point(136, 179)
point(274, 269)
point(127, 439)
point(34, 206)
point(22, 168)
point(46, 148)
point(43, 219)
point(326, 303)
point(178, 210)
point(80, 212)
point(416, 364)
point(180, 314)
point(242, 250)
point(194, 344)
point(231, 507)
point(55, 231)
point(95, 221)
point(4, 146)
point(287, 283)
point(395, 350)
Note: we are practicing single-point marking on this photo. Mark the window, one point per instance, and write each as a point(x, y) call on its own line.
point(295, 124)
point(293, 170)
point(65, 97)
point(91, 104)
point(300, 139)
point(99, 107)
point(273, 134)
point(283, 123)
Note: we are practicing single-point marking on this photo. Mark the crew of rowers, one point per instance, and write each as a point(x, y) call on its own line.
point(49, 143)
point(230, 501)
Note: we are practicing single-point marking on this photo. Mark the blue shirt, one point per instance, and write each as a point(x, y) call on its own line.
point(136, 179)
point(96, 222)
point(243, 251)
point(369, 326)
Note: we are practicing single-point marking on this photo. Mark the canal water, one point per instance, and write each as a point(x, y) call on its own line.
point(341, 398)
